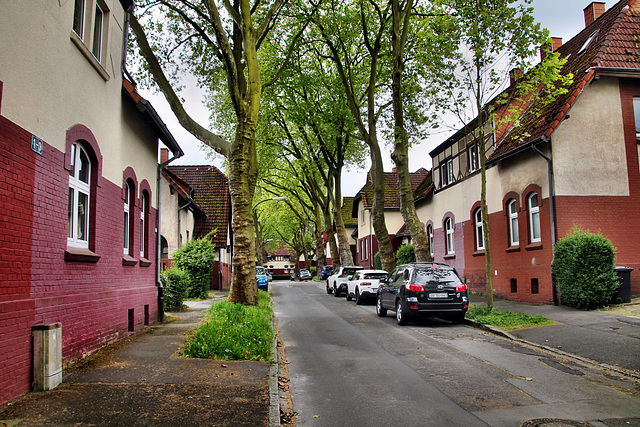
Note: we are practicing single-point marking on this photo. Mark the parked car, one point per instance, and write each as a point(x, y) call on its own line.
point(364, 285)
point(262, 278)
point(304, 274)
point(423, 289)
point(337, 282)
point(326, 271)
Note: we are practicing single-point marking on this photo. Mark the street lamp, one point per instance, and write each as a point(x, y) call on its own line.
point(267, 200)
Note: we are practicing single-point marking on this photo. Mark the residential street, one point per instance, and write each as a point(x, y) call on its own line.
point(349, 367)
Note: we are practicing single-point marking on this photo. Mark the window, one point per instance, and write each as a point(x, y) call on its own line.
point(514, 286)
point(477, 215)
point(97, 33)
point(535, 286)
point(127, 217)
point(79, 192)
point(78, 18)
point(430, 236)
point(534, 217)
point(446, 173)
point(143, 224)
point(636, 115)
point(474, 158)
point(512, 210)
point(449, 240)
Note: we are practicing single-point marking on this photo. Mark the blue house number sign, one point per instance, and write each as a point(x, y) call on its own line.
point(36, 144)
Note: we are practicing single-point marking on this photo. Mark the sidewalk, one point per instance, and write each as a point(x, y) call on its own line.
point(142, 380)
point(610, 338)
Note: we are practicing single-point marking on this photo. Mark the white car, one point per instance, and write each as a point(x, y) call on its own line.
point(364, 285)
point(337, 282)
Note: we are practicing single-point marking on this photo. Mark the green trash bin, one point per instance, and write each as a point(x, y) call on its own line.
point(623, 293)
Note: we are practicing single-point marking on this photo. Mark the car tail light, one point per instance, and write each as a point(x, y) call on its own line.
point(366, 283)
point(461, 287)
point(342, 275)
point(414, 288)
point(413, 307)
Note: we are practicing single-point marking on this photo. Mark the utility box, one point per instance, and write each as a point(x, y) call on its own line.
point(623, 293)
point(47, 356)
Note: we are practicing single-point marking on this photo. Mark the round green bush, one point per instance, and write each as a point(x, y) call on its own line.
point(405, 254)
point(174, 281)
point(583, 267)
point(196, 259)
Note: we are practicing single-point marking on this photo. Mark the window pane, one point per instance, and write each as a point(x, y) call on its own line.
point(70, 214)
point(78, 18)
point(72, 171)
point(83, 203)
point(636, 114)
point(126, 232)
point(535, 226)
point(85, 167)
point(533, 201)
point(97, 33)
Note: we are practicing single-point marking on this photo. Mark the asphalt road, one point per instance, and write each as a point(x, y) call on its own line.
point(349, 367)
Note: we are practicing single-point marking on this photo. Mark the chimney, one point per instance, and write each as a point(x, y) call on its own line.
point(515, 74)
point(593, 12)
point(556, 42)
point(164, 155)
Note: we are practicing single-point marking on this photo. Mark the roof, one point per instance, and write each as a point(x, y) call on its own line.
point(152, 117)
point(347, 208)
point(182, 188)
point(282, 250)
point(211, 193)
point(391, 194)
point(607, 46)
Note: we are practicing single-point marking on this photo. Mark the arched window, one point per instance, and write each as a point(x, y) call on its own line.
point(512, 211)
point(144, 209)
point(534, 217)
point(128, 210)
point(449, 238)
point(430, 236)
point(79, 197)
point(477, 217)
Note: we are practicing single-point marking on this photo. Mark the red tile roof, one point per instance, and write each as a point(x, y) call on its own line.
point(212, 195)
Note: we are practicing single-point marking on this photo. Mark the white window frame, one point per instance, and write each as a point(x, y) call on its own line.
point(514, 231)
point(636, 115)
point(77, 187)
point(446, 172)
point(127, 218)
point(474, 158)
point(479, 228)
point(449, 236)
point(98, 30)
point(430, 236)
point(534, 218)
point(79, 9)
point(143, 223)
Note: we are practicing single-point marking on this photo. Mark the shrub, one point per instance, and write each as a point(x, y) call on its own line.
point(196, 259)
point(405, 254)
point(377, 261)
point(174, 283)
point(583, 266)
point(313, 270)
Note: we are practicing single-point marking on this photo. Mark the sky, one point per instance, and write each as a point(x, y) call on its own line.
point(563, 18)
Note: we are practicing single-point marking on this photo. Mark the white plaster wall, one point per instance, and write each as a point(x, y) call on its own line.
point(588, 148)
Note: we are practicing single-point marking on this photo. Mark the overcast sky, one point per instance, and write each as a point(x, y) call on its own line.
point(563, 18)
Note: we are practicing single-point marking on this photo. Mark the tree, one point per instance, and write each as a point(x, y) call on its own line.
point(495, 35)
point(218, 48)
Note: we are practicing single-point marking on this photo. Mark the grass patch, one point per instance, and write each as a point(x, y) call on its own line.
point(507, 320)
point(234, 332)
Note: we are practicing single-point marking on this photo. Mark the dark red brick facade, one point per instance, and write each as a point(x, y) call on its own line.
point(41, 283)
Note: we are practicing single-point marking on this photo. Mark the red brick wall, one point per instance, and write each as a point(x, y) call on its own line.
point(91, 300)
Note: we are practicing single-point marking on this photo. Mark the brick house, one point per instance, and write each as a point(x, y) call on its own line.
point(579, 155)
point(367, 244)
point(210, 192)
point(78, 174)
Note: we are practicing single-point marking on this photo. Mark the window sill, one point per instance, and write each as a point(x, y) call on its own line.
point(513, 249)
point(128, 260)
point(534, 246)
point(450, 256)
point(480, 252)
point(80, 255)
point(89, 55)
point(145, 262)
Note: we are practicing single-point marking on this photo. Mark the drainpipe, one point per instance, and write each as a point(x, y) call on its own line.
point(370, 254)
point(552, 216)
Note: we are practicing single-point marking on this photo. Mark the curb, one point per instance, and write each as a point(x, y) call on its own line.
point(274, 395)
point(507, 335)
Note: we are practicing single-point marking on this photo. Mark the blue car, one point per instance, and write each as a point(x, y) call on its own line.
point(262, 278)
point(327, 271)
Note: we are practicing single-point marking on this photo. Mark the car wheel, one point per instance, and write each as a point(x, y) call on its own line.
point(358, 297)
point(348, 295)
point(456, 318)
point(380, 311)
point(401, 317)
point(335, 291)
point(329, 290)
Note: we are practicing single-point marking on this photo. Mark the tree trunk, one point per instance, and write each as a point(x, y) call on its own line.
point(321, 255)
point(331, 238)
point(346, 258)
point(387, 257)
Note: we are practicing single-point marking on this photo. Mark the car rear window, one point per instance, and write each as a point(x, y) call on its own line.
point(379, 276)
point(350, 271)
point(423, 276)
point(260, 270)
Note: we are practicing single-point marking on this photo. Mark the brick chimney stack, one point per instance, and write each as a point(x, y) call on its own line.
point(556, 42)
point(593, 12)
point(164, 155)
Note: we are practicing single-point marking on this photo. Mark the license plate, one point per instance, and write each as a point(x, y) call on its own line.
point(439, 295)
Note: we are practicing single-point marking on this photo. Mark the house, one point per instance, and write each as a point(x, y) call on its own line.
point(350, 225)
point(281, 259)
point(570, 163)
point(367, 244)
point(78, 176)
point(209, 189)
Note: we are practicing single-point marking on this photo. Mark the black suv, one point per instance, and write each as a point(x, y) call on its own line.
point(423, 289)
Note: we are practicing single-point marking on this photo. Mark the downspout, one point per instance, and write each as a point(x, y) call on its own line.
point(370, 254)
point(552, 216)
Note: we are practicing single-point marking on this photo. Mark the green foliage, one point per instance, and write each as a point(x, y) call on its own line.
point(196, 259)
point(377, 261)
point(507, 320)
point(234, 332)
point(405, 254)
point(174, 281)
point(312, 270)
point(583, 266)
